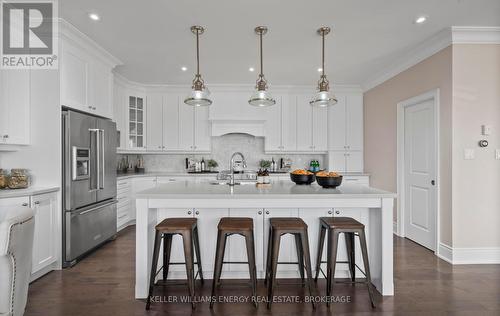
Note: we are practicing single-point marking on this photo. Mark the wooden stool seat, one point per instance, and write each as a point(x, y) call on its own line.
point(287, 223)
point(235, 224)
point(278, 227)
point(342, 222)
point(176, 224)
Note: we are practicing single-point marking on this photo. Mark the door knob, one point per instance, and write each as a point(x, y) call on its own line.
point(433, 182)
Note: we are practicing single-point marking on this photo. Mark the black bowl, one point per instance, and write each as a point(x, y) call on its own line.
point(302, 178)
point(329, 182)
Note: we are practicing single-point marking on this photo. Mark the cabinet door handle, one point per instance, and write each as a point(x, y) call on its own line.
point(267, 212)
point(24, 204)
point(330, 212)
point(337, 212)
point(37, 202)
point(189, 213)
point(259, 212)
point(197, 213)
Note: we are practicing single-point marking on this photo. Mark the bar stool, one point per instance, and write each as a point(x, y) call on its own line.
point(350, 227)
point(278, 227)
point(187, 228)
point(230, 226)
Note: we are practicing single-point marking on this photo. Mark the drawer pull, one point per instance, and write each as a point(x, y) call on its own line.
point(337, 212)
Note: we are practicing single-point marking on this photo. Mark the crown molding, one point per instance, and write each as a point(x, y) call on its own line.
point(69, 32)
point(432, 45)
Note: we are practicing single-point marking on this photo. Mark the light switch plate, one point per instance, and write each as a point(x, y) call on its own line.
point(486, 130)
point(469, 154)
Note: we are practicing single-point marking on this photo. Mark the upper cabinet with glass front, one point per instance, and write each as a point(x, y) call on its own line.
point(136, 122)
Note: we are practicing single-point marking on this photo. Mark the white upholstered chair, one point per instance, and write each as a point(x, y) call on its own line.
point(16, 242)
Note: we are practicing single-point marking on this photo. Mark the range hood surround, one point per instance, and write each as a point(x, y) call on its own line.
point(237, 126)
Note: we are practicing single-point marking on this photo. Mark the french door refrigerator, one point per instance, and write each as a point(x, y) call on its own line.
point(89, 183)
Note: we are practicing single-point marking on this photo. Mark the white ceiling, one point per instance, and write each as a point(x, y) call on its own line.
point(153, 40)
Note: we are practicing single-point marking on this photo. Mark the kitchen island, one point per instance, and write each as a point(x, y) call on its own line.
point(209, 202)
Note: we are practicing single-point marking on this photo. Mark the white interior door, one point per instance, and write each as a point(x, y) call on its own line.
point(420, 173)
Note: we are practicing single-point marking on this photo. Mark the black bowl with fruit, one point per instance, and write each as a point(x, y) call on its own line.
point(302, 177)
point(329, 180)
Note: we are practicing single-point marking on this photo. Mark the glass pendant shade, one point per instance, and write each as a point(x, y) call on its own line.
point(261, 98)
point(198, 98)
point(323, 99)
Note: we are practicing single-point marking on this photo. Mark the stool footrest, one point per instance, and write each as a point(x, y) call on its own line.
point(235, 262)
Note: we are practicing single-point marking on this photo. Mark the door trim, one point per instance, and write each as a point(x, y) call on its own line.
point(400, 203)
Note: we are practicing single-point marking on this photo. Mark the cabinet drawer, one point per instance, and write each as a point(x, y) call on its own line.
point(125, 203)
point(120, 194)
point(17, 201)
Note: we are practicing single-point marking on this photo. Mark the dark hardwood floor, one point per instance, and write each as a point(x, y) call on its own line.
point(103, 284)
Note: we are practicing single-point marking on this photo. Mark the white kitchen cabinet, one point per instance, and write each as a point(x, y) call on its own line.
point(15, 104)
point(171, 124)
point(288, 251)
point(236, 249)
point(345, 161)
point(345, 124)
point(15, 201)
point(202, 132)
point(154, 122)
point(311, 218)
point(312, 123)
point(208, 219)
point(119, 113)
point(280, 129)
point(124, 213)
point(45, 235)
point(136, 121)
point(86, 79)
point(186, 127)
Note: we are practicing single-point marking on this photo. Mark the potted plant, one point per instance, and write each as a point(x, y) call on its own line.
point(265, 164)
point(212, 164)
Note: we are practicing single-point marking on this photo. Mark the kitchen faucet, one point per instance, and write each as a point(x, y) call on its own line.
point(231, 165)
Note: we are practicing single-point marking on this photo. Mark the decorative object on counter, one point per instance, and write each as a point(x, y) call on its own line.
point(274, 167)
point(301, 176)
point(265, 164)
point(18, 179)
point(328, 179)
point(139, 167)
point(122, 166)
point(3, 179)
point(212, 165)
point(260, 177)
point(199, 93)
point(261, 97)
point(323, 98)
point(286, 164)
point(203, 167)
point(314, 166)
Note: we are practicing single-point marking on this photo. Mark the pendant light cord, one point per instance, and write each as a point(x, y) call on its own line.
point(197, 52)
point(323, 54)
point(261, 57)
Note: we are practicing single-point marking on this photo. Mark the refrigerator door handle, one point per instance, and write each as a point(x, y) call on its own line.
point(95, 171)
point(103, 160)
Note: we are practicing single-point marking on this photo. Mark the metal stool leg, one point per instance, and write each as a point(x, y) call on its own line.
point(268, 257)
point(276, 238)
point(251, 264)
point(332, 258)
point(154, 266)
point(307, 258)
point(198, 255)
point(167, 248)
point(364, 250)
point(219, 258)
point(351, 258)
point(189, 256)
point(300, 256)
point(322, 233)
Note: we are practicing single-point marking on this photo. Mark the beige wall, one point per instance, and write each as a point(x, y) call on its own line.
point(476, 183)
point(380, 127)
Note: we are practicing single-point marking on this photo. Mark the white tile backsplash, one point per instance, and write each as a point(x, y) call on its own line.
point(222, 148)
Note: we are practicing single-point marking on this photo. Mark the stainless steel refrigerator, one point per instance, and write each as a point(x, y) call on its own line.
point(89, 183)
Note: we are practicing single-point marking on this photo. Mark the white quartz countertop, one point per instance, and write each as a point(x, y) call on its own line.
point(9, 193)
point(278, 189)
point(213, 175)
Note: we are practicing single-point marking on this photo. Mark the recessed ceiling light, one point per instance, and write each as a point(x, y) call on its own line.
point(251, 69)
point(421, 19)
point(320, 69)
point(184, 68)
point(94, 16)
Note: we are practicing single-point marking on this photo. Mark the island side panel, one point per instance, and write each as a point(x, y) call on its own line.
point(387, 247)
point(146, 220)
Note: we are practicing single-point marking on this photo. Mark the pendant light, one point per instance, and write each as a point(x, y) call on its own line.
point(261, 97)
point(199, 93)
point(323, 97)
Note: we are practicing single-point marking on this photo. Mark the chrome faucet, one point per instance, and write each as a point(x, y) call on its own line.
point(231, 166)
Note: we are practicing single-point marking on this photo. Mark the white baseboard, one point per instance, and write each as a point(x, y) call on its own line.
point(457, 255)
point(395, 229)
